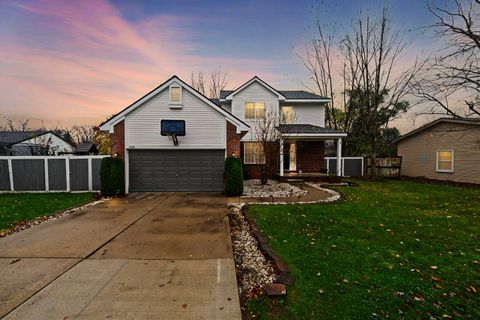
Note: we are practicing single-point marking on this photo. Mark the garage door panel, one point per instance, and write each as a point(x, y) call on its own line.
point(176, 170)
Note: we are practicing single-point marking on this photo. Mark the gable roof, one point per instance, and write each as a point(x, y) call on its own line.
point(300, 95)
point(468, 121)
point(106, 125)
point(289, 95)
point(249, 82)
point(86, 147)
point(12, 137)
point(8, 138)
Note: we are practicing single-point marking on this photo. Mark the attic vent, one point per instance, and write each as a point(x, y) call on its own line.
point(175, 95)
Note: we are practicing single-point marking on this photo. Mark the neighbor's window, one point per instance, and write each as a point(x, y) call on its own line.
point(445, 160)
point(253, 153)
point(287, 114)
point(175, 95)
point(254, 110)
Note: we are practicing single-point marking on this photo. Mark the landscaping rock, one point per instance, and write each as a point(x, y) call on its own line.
point(280, 266)
point(275, 289)
point(286, 278)
point(253, 269)
point(274, 189)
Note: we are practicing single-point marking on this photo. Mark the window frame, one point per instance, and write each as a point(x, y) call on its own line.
point(254, 153)
point(254, 110)
point(175, 103)
point(284, 119)
point(437, 161)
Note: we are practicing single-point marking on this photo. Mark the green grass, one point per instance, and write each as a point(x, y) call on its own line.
point(396, 249)
point(18, 207)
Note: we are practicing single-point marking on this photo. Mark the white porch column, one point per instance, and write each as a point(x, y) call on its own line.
point(281, 157)
point(339, 157)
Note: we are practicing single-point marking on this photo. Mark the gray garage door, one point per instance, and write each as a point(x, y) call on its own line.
point(176, 170)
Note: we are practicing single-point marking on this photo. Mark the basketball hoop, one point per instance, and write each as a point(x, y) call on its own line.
point(173, 137)
point(172, 129)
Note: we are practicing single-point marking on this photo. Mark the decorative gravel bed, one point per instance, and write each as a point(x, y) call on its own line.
point(254, 189)
point(253, 269)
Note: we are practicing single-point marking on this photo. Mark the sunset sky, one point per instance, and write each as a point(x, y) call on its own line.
point(77, 62)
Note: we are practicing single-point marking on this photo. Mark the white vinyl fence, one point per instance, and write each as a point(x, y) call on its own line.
point(50, 173)
point(351, 166)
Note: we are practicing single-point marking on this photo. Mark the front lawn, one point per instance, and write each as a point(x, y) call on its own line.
point(393, 249)
point(18, 207)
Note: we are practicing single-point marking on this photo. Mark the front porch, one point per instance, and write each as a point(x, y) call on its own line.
point(302, 152)
point(312, 177)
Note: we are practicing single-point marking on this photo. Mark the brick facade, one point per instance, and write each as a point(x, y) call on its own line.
point(251, 171)
point(233, 140)
point(310, 156)
point(117, 141)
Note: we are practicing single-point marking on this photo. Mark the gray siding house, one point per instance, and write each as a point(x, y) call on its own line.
point(208, 130)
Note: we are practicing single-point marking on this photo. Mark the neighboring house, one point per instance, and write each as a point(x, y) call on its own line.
point(213, 129)
point(30, 143)
point(445, 149)
point(86, 148)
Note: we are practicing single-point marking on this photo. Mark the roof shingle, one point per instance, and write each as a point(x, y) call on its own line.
point(289, 94)
point(305, 128)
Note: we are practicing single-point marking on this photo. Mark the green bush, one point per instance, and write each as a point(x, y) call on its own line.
point(105, 169)
point(112, 177)
point(233, 176)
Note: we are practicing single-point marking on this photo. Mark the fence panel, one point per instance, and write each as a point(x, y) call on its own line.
point(385, 167)
point(49, 173)
point(57, 175)
point(28, 174)
point(78, 174)
point(351, 166)
point(4, 176)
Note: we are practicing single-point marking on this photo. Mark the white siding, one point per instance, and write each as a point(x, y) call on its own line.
point(308, 113)
point(255, 92)
point(205, 127)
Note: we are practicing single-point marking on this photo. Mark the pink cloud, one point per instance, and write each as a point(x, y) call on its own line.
point(80, 61)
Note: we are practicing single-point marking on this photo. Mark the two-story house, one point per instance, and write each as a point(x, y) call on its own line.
point(302, 128)
point(176, 139)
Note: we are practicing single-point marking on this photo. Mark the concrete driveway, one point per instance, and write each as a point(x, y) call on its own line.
point(149, 256)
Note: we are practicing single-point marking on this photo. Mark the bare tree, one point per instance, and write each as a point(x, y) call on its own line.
point(83, 133)
point(17, 125)
point(218, 82)
point(266, 150)
point(454, 70)
point(317, 59)
point(198, 82)
point(375, 88)
point(211, 84)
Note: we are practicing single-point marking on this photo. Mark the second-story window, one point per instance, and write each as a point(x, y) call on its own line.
point(254, 110)
point(288, 116)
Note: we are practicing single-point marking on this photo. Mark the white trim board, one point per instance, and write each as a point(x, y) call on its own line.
point(280, 96)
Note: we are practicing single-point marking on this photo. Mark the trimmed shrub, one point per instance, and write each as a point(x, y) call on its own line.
point(112, 177)
point(233, 178)
point(118, 177)
point(105, 168)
